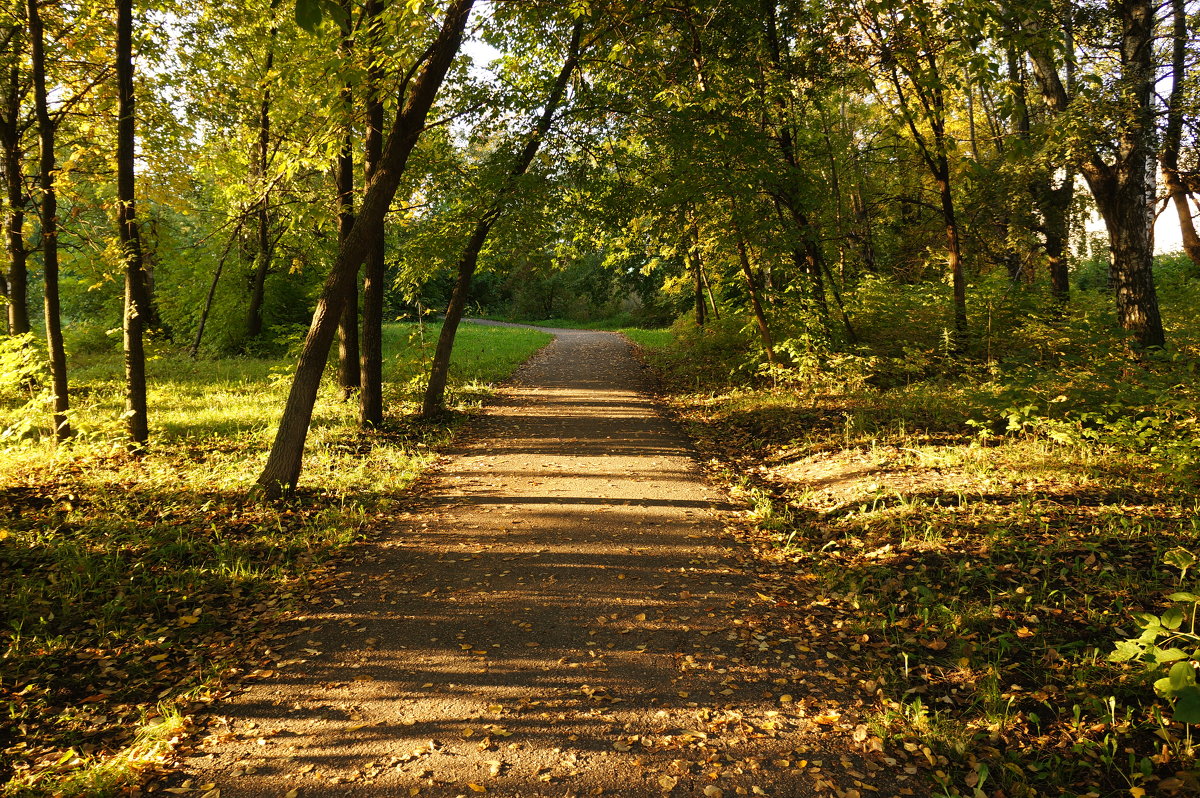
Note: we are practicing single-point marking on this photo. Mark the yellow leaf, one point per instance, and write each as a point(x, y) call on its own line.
point(477, 788)
point(158, 657)
point(189, 619)
point(1137, 792)
point(292, 793)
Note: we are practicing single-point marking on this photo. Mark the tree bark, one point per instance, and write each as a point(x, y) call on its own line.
point(282, 470)
point(136, 311)
point(49, 220)
point(1174, 131)
point(262, 263)
point(760, 318)
point(16, 286)
point(435, 393)
point(348, 366)
point(1123, 189)
point(371, 354)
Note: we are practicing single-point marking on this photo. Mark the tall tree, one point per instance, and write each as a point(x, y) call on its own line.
point(261, 163)
point(912, 45)
point(1122, 183)
point(49, 220)
point(282, 470)
point(13, 124)
point(136, 301)
point(435, 392)
point(371, 342)
point(348, 365)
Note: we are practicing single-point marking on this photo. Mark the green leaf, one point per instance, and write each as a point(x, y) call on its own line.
point(1125, 650)
point(1187, 706)
point(309, 14)
point(1172, 618)
point(1182, 676)
point(1162, 656)
point(1145, 620)
point(1180, 557)
point(1184, 597)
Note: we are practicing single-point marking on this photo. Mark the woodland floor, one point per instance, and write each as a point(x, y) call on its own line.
point(569, 609)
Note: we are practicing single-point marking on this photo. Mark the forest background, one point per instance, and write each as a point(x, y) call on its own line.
point(911, 242)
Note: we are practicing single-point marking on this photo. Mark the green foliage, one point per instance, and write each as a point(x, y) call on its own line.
point(22, 365)
point(1165, 645)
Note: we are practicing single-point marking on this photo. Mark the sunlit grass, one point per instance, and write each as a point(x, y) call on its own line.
point(133, 582)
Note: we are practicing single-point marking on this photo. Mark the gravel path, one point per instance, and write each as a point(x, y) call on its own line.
point(565, 615)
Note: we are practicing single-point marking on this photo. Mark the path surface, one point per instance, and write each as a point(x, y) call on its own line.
point(566, 615)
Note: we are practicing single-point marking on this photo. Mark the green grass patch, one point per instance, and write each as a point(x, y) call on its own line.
point(136, 589)
point(649, 340)
point(619, 322)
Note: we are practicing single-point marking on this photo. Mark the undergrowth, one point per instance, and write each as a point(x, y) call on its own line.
point(993, 525)
point(137, 590)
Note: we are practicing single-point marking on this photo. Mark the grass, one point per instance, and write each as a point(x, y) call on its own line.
point(620, 323)
point(990, 534)
point(139, 590)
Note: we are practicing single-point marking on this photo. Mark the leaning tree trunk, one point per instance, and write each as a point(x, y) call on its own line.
point(136, 313)
point(435, 393)
point(49, 220)
point(282, 470)
point(760, 318)
point(371, 344)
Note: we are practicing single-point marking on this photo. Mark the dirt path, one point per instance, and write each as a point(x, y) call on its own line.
point(565, 616)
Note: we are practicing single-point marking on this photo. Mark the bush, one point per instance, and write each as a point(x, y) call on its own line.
point(90, 338)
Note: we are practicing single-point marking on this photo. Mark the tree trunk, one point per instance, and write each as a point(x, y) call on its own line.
point(434, 401)
point(282, 470)
point(1174, 130)
point(1123, 189)
point(371, 391)
point(1054, 204)
point(953, 253)
point(262, 263)
point(212, 292)
point(16, 287)
point(435, 393)
point(760, 318)
point(135, 287)
point(49, 220)
point(348, 363)
point(348, 366)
